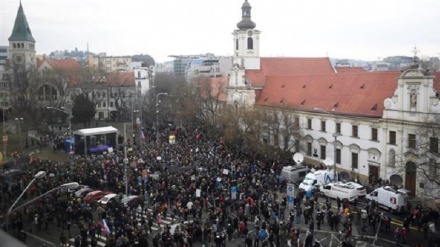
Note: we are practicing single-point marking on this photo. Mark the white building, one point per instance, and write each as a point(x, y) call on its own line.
point(372, 124)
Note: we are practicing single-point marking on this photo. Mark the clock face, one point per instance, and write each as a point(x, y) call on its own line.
point(250, 33)
point(18, 59)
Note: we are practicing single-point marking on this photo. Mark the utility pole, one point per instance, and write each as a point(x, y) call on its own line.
point(157, 115)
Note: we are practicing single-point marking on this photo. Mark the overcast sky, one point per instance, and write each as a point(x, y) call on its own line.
point(360, 29)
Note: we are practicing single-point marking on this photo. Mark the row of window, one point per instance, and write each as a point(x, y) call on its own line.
point(250, 44)
point(354, 129)
point(412, 138)
point(323, 154)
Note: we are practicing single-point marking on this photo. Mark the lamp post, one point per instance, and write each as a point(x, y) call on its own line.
point(70, 125)
point(157, 114)
point(38, 175)
point(19, 133)
point(335, 135)
point(66, 186)
point(5, 138)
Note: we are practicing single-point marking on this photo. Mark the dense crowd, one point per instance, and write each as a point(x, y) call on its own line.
point(190, 182)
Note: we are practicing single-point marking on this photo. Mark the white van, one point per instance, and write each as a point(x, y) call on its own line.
point(340, 190)
point(294, 174)
point(317, 179)
point(389, 198)
point(361, 190)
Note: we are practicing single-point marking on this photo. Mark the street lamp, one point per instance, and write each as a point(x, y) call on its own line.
point(19, 133)
point(70, 125)
point(5, 137)
point(335, 135)
point(157, 114)
point(38, 175)
point(66, 186)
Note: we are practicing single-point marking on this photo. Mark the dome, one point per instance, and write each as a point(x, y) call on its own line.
point(246, 4)
point(246, 24)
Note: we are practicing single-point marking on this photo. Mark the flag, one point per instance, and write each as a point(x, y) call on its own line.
point(103, 224)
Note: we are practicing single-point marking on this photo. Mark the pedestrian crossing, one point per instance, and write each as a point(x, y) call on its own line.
point(157, 227)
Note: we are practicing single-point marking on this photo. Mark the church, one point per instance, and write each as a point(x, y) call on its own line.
point(112, 91)
point(370, 125)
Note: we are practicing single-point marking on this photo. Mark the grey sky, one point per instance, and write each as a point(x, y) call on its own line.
point(336, 28)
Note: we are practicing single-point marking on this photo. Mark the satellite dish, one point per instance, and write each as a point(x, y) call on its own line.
point(328, 162)
point(396, 179)
point(298, 158)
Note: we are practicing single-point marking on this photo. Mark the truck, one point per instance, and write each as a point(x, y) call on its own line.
point(294, 174)
point(314, 180)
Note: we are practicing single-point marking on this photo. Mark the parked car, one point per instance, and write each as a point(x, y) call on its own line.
point(95, 196)
point(83, 191)
point(105, 199)
point(131, 201)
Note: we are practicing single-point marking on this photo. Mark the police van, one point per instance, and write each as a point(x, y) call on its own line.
point(294, 174)
point(390, 198)
point(340, 190)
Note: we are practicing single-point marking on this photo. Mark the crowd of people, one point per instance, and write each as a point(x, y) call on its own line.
point(212, 192)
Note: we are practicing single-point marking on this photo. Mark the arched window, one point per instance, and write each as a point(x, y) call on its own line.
point(250, 43)
point(236, 44)
point(47, 93)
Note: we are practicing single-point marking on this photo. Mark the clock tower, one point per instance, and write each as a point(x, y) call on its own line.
point(247, 39)
point(21, 44)
point(246, 57)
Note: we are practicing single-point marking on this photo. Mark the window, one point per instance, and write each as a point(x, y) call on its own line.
point(354, 131)
point(104, 104)
point(309, 124)
point(296, 122)
point(338, 156)
point(354, 160)
point(309, 148)
point(374, 134)
point(323, 152)
point(411, 141)
point(323, 126)
point(338, 128)
point(393, 137)
point(297, 146)
point(250, 43)
point(111, 104)
point(433, 144)
point(236, 44)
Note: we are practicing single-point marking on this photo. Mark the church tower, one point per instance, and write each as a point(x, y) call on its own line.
point(247, 39)
point(246, 57)
point(22, 44)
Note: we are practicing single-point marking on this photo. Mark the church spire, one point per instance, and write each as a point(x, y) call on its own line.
point(246, 22)
point(21, 30)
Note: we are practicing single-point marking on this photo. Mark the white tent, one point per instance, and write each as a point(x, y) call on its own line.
point(104, 132)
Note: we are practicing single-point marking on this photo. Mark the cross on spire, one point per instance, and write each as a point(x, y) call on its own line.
point(415, 51)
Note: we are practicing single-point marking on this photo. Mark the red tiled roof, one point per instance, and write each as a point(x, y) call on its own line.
point(345, 93)
point(112, 79)
point(288, 66)
point(350, 70)
point(64, 64)
point(218, 88)
point(437, 81)
point(120, 79)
